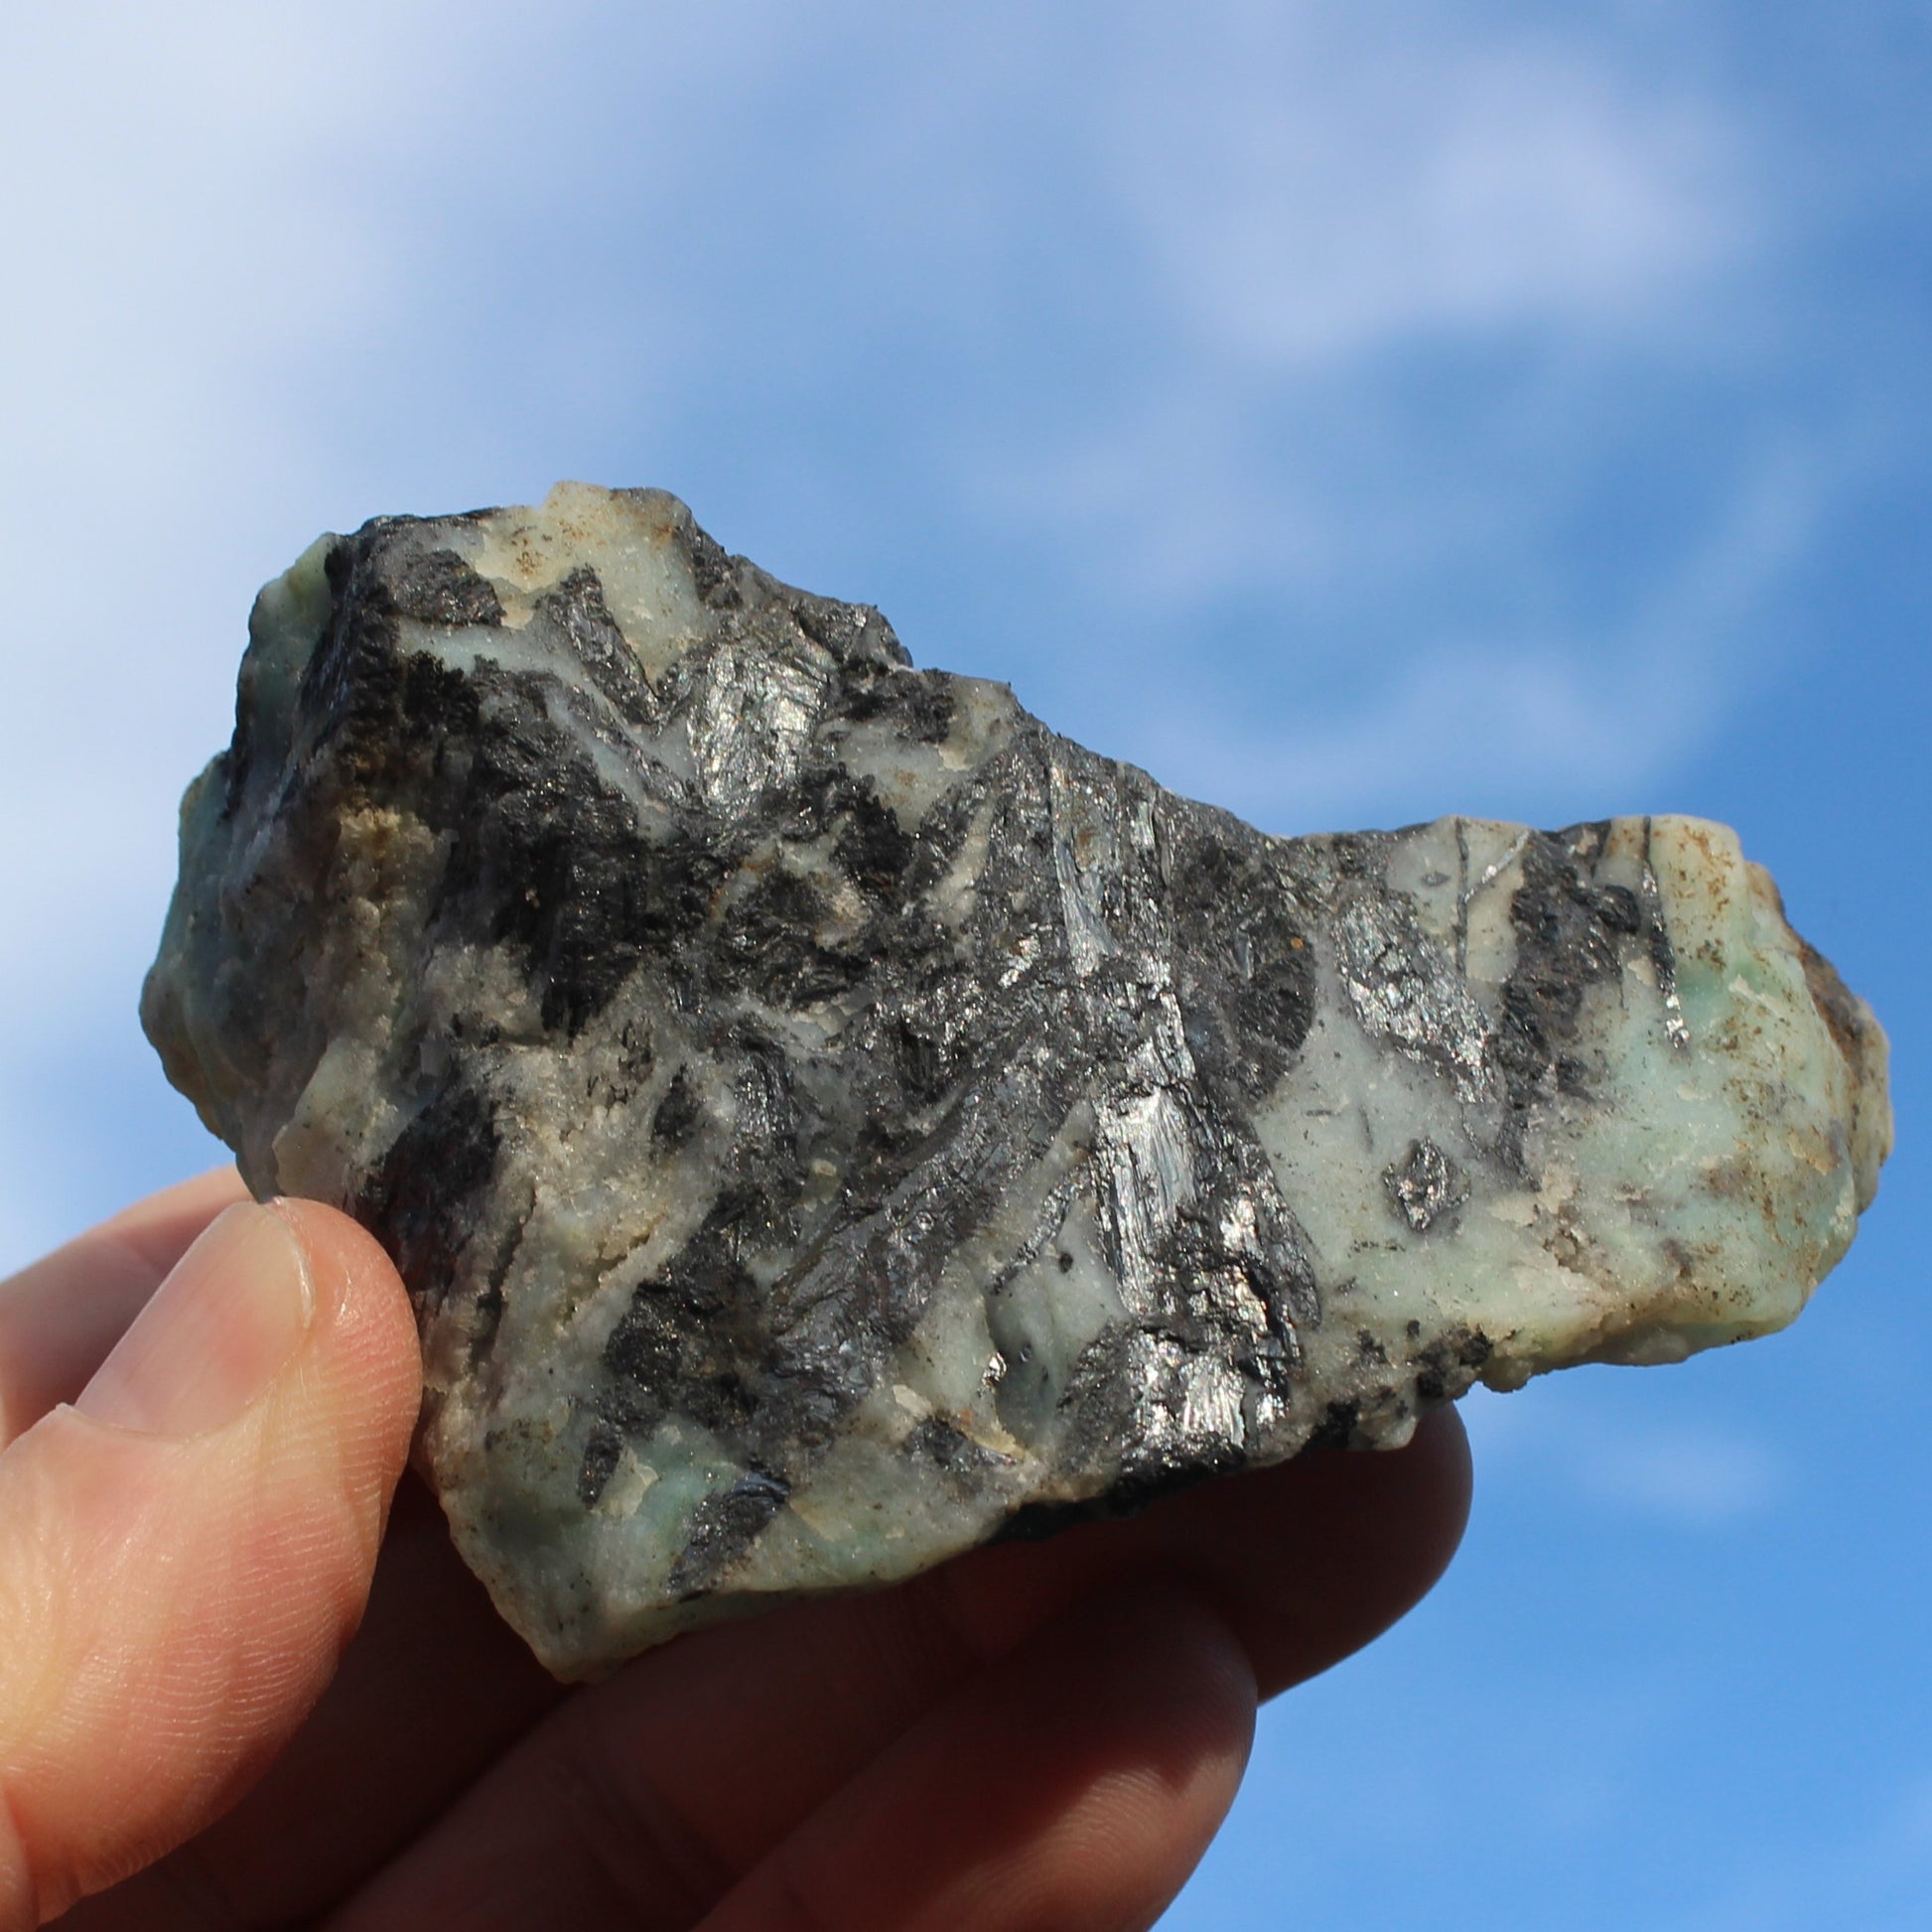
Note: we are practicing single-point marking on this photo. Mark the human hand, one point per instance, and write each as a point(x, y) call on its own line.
point(1040, 1735)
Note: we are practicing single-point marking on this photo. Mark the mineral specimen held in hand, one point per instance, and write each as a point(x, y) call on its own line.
point(826, 1120)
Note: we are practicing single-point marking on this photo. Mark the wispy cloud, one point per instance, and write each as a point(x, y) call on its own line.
point(1630, 1458)
point(1319, 183)
point(1693, 1477)
point(1404, 288)
point(1517, 718)
point(1868, 1876)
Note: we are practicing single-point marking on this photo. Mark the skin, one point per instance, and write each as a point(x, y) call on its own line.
point(246, 1682)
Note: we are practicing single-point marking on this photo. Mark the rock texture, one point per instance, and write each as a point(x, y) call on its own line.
point(827, 1119)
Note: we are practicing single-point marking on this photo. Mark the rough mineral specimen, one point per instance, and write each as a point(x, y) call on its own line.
point(827, 1119)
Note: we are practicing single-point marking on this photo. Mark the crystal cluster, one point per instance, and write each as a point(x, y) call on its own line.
point(827, 1119)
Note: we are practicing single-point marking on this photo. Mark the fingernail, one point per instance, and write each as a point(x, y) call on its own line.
point(215, 1334)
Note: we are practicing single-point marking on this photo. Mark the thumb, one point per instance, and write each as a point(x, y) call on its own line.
point(185, 1551)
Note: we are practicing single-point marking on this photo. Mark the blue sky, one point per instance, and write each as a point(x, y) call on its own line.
point(1349, 412)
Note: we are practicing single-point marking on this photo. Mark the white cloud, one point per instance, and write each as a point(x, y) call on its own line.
point(1858, 1868)
point(1695, 1476)
point(231, 246)
point(1329, 204)
point(1508, 724)
point(1317, 182)
point(1627, 1453)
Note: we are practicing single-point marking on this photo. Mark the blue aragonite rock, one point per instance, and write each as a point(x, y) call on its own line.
point(826, 1120)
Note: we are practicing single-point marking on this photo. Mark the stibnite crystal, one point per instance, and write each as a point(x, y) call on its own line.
point(826, 1120)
